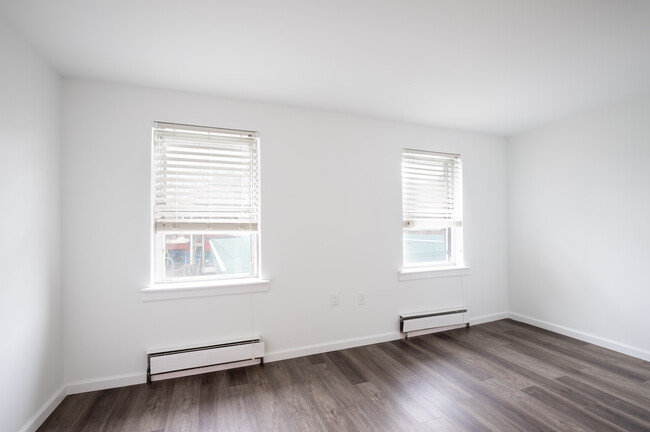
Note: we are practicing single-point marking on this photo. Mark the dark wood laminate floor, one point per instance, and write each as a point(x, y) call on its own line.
point(500, 376)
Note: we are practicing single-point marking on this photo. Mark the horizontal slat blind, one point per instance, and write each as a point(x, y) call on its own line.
point(431, 189)
point(206, 179)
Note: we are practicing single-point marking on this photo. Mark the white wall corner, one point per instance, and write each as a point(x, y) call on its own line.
point(45, 411)
point(586, 337)
point(488, 318)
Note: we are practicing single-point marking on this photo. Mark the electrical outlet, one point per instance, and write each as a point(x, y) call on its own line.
point(334, 298)
point(362, 298)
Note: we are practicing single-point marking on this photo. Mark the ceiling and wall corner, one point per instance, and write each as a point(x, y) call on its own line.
point(499, 67)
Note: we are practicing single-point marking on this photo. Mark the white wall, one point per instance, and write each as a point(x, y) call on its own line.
point(331, 221)
point(31, 364)
point(579, 211)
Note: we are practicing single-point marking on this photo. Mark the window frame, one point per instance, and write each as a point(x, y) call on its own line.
point(168, 285)
point(428, 219)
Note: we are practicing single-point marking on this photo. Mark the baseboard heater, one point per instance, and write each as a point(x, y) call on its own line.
point(202, 359)
point(432, 321)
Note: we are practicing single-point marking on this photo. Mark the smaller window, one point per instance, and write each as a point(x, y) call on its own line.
point(206, 203)
point(431, 209)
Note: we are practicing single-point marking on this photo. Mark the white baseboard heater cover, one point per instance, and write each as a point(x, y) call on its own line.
point(430, 321)
point(202, 359)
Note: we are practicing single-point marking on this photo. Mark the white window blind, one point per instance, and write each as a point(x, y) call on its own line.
point(205, 179)
point(431, 189)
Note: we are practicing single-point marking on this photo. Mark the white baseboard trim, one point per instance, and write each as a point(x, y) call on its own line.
point(139, 378)
point(330, 346)
point(44, 411)
point(106, 382)
point(586, 337)
point(488, 318)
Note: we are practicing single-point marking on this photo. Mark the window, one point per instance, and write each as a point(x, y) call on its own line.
point(431, 209)
point(206, 203)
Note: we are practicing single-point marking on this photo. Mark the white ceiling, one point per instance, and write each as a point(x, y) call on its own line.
point(493, 66)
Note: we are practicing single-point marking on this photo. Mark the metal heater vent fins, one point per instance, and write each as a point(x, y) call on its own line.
point(202, 359)
point(431, 321)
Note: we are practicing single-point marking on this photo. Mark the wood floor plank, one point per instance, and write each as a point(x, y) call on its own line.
point(358, 408)
point(495, 368)
point(155, 410)
point(386, 390)
point(331, 413)
point(613, 382)
point(530, 410)
point(301, 412)
point(427, 364)
point(267, 407)
point(97, 412)
point(390, 416)
point(577, 412)
point(383, 358)
point(526, 367)
point(221, 419)
point(507, 353)
point(638, 412)
point(209, 400)
point(317, 359)
point(490, 416)
point(539, 333)
point(501, 376)
point(618, 418)
point(240, 416)
point(500, 404)
point(454, 417)
point(452, 411)
point(388, 377)
point(184, 406)
point(126, 412)
point(616, 356)
point(505, 407)
point(563, 363)
point(462, 361)
point(236, 377)
point(576, 352)
point(438, 425)
point(596, 388)
point(345, 392)
point(67, 413)
point(353, 374)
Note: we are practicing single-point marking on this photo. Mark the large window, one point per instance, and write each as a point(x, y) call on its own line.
point(206, 203)
point(431, 209)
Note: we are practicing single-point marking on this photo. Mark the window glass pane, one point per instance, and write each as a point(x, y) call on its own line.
point(232, 253)
point(214, 254)
point(422, 247)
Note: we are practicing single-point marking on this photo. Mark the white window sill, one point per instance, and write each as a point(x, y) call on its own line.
point(179, 290)
point(432, 272)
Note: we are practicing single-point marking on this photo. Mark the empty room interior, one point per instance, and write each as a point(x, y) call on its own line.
point(325, 215)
